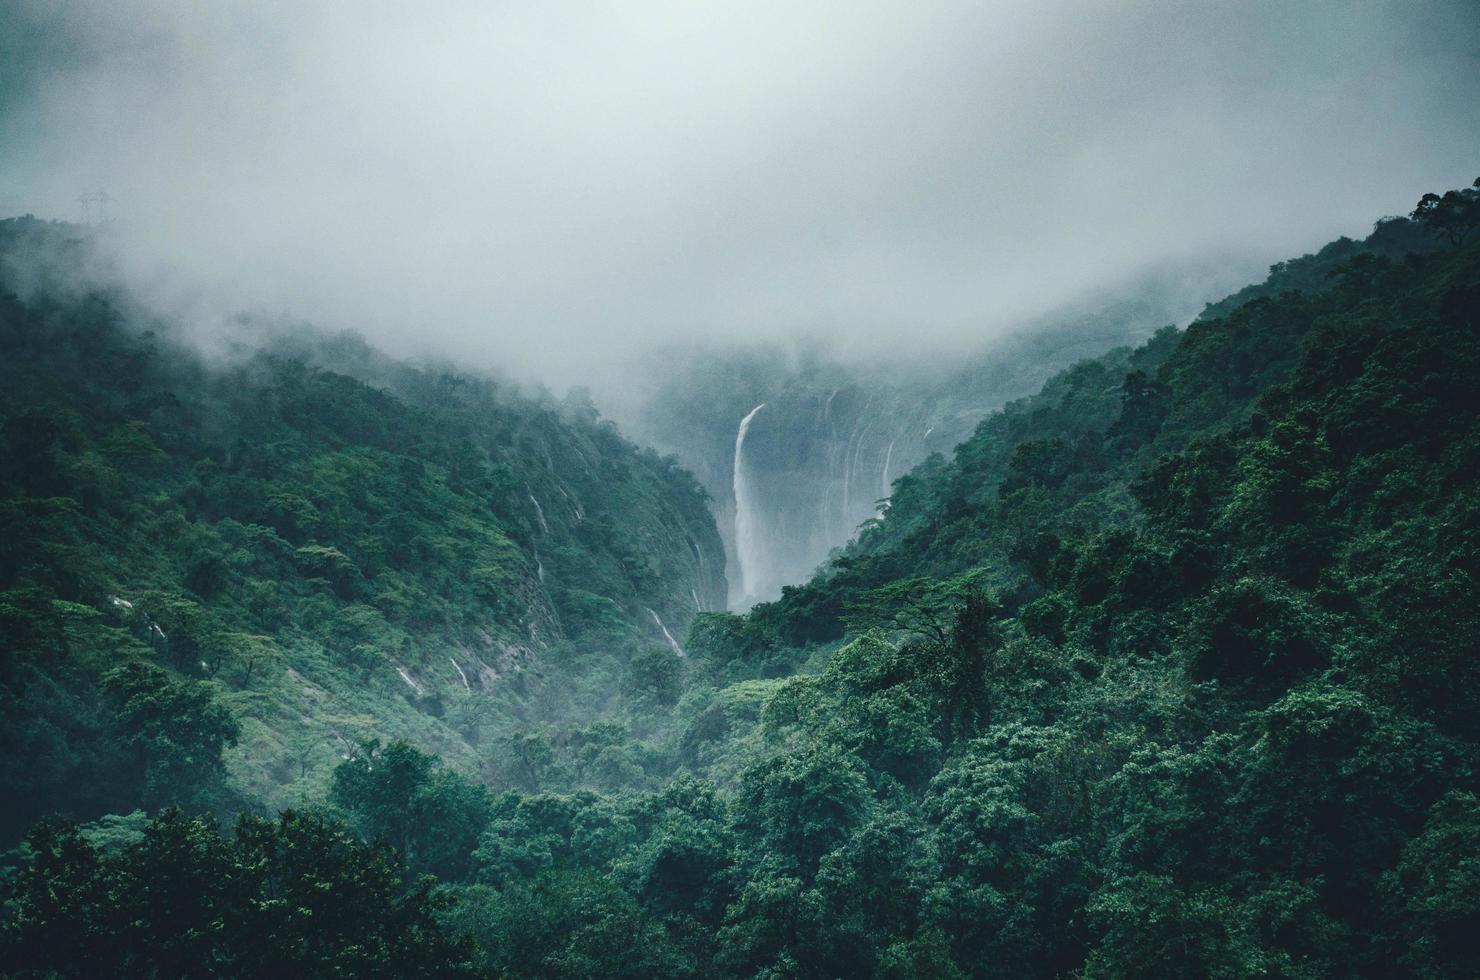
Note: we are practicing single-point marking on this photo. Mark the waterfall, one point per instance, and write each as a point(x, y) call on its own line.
point(540, 513)
point(884, 479)
point(666, 635)
point(575, 507)
point(745, 545)
point(848, 469)
point(849, 521)
point(702, 568)
point(460, 673)
point(888, 455)
point(850, 460)
point(409, 682)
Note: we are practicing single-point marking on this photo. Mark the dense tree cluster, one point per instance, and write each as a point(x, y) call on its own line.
point(1167, 671)
point(320, 543)
point(298, 896)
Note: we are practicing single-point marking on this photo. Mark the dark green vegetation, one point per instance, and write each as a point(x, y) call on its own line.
point(292, 897)
point(1169, 670)
point(279, 558)
point(819, 458)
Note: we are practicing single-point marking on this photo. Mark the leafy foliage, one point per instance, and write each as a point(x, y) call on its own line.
point(332, 545)
point(293, 897)
point(1168, 670)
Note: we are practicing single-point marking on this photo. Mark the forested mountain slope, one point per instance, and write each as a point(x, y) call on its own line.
point(1168, 671)
point(833, 434)
point(1060, 467)
point(307, 544)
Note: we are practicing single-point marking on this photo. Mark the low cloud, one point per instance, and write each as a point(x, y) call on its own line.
point(545, 187)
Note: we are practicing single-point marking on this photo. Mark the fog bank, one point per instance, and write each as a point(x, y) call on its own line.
point(543, 188)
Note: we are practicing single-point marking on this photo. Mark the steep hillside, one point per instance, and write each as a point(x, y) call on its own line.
point(820, 457)
point(341, 545)
point(1167, 671)
point(1058, 466)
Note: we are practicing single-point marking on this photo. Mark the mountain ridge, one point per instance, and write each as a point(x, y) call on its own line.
point(433, 535)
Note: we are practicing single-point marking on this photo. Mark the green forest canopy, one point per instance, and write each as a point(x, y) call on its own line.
point(1168, 670)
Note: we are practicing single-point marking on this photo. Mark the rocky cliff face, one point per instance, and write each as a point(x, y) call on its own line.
point(817, 464)
point(819, 458)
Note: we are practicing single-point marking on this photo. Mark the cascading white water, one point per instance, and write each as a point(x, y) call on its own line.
point(850, 461)
point(850, 520)
point(672, 643)
point(702, 568)
point(884, 481)
point(884, 478)
point(575, 507)
point(745, 539)
point(827, 407)
point(466, 686)
point(848, 473)
point(540, 513)
point(409, 681)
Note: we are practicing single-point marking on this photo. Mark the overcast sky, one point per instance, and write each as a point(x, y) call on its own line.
point(541, 186)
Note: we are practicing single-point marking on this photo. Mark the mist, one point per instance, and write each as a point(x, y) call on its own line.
point(545, 189)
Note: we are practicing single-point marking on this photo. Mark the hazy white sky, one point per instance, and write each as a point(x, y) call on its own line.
point(541, 186)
